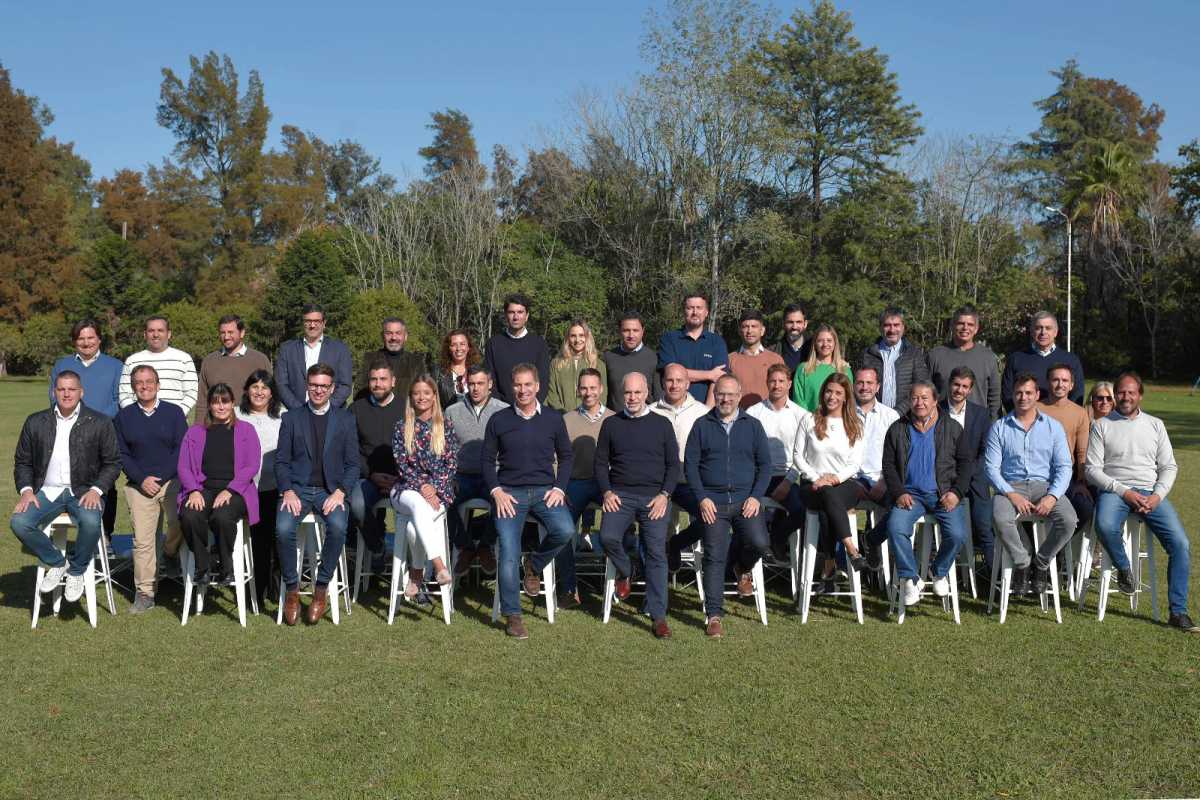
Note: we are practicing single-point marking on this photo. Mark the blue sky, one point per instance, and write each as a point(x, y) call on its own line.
point(374, 72)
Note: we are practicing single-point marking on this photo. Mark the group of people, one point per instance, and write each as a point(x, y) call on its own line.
point(636, 433)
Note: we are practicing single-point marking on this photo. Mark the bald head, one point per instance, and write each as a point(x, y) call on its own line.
point(675, 383)
point(635, 389)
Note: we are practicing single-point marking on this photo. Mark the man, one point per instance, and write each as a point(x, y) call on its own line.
point(1131, 463)
point(149, 434)
point(728, 464)
point(406, 365)
point(66, 460)
point(177, 383)
point(632, 355)
point(231, 365)
point(100, 376)
point(927, 469)
point(583, 428)
point(794, 347)
point(1037, 359)
point(517, 345)
point(780, 418)
point(976, 424)
point(297, 356)
point(898, 362)
point(316, 469)
point(876, 420)
point(1029, 465)
point(751, 361)
point(637, 467)
point(701, 352)
point(681, 410)
point(964, 351)
point(470, 421)
point(1076, 423)
point(375, 418)
point(519, 448)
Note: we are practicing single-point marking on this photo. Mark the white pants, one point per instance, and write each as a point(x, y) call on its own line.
point(424, 529)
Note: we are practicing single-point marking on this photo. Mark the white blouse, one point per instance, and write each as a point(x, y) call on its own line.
point(267, 428)
point(813, 457)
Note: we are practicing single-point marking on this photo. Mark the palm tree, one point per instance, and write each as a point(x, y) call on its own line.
point(1104, 188)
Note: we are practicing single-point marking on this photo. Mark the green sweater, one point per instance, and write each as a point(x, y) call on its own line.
point(806, 386)
point(564, 377)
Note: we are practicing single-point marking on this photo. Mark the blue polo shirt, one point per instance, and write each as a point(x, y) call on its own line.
point(676, 347)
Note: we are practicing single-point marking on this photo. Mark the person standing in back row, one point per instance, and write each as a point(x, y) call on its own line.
point(632, 355)
point(964, 351)
point(701, 352)
point(899, 362)
point(231, 365)
point(177, 382)
point(297, 356)
point(516, 344)
point(1037, 359)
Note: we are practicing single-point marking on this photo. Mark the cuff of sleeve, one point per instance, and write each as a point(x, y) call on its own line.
point(560, 491)
point(97, 490)
point(496, 489)
point(25, 489)
point(1161, 492)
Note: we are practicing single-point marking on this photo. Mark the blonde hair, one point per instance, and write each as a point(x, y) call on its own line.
point(590, 354)
point(437, 434)
point(1096, 387)
point(839, 363)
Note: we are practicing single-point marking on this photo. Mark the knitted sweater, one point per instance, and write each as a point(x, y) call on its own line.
point(637, 454)
point(231, 370)
point(564, 378)
point(504, 352)
point(620, 363)
point(470, 423)
point(177, 379)
point(101, 381)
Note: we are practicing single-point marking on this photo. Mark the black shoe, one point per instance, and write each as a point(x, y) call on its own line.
point(858, 563)
point(1184, 623)
point(1020, 580)
point(1040, 579)
point(674, 559)
point(1125, 582)
point(874, 557)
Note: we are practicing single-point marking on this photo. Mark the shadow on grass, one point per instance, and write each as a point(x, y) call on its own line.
point(1183, 427)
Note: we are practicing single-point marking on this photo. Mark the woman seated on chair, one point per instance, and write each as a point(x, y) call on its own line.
point(426, 452)
point(828, 453)
point(218, 460)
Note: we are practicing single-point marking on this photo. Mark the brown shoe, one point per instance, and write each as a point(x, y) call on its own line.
point(745, 584)
point(516, 627)
point(661, 631)
point(316, 609)
point(291, 606)
point(487, 561)
point(622, 588)
point(462, 564)
point(713, 631)
point(533, 581)
point(569, 600)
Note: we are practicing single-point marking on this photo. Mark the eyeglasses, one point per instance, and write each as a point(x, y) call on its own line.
point(1101, 399)
point(320, 387)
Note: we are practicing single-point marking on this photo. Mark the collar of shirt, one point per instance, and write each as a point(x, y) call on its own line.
point(387, 401)
point(884, 347)
point(313, 346)
point(599, 415)
point(747, 351)
point(153, 408)
point(241, 351)
point(634, 350)
point(537, 409)
point(320, 412)
point(865, 414)
point(683, 330)
point(87, 362)
point(524, 332)
point(478, 410)
point(962, 409)
point(645, 410)
point(1044, 353)
point(795, 348)
point(73, 416)
point(665, 405)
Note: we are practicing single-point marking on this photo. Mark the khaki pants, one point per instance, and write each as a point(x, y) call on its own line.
point(145, 511)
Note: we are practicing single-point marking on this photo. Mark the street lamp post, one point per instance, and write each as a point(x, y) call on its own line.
point(1069, 249)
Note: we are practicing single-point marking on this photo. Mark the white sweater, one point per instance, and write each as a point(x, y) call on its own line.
point(813, 457)
point(267, 428)
point(176, 377)
point(1130, 453)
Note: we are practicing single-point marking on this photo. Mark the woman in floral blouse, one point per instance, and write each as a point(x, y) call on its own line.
point(426, 450)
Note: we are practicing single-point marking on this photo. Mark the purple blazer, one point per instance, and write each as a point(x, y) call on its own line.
point(247, 455)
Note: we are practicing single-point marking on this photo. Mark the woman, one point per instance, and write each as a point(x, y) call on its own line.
point(824, 360)
point(578, 353)
point(426, 451)
point(828, 453)
point(217, 464)
point(1101, 400)
point(261, 408)
point(458, 353)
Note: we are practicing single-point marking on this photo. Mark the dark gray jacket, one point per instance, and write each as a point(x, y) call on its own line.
point(95, 458)
point(911, 366)
point(953, 462)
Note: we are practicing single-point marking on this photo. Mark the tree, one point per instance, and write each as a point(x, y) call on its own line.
point(835, 102)
point(1186, 178)
point(369, 307)
point(117, 291)
point(453, 147)
point(311, 271)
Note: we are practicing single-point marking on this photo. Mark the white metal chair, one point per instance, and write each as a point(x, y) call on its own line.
point(757, 577)
point(400, 576)
point(549, 583)
point(465, 511)
point(362, 560)
point(808, 564)
point(311, 531)
point(874, 512)
point(1002, 567)
point(243, 573)
point(927, 538)
point(56, 531)
point(1138, 542)
point(770, 508)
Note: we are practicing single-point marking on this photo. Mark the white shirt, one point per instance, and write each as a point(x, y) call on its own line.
point(959, 416)
point(833, 455)
point(781, 425)
point(267, 428)
point(312, 352)
point(758, 348)
point(322, 411)
point(520, 335)
point(682, 418)
point(87, 362)
point(537, 409)
point(645, 410)
point(153, 408)
point(241, 351)
point(634, 350)
point(58, 470)
point(1047, 351)
point(875, 425)
point(599, 415)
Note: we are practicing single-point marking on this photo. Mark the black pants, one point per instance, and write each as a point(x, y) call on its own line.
point(109, 519)
point(221, 521)
point(262, 541)
point(832, 504)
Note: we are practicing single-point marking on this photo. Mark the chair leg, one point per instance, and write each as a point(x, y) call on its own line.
point(187, 563)
point(89, 590)
point(855, 576)
point(1150, 564)
point(1006, 568)
point(760, 590)
point(399, 580)
point(1083, 567)
point(106, 571)
point(610, 583)
point(447, 589)
point(344, 582)
point(1106, 570)
point(808, 565)
point(248, 557)
point(1054, 587)
point(793, 561)
point(360, 578)
point(239, 573)
point(698, 568)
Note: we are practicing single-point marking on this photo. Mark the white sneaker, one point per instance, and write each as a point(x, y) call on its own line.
point(74, 589)
point(941, 586)
point(912, 591)
point(53, 578)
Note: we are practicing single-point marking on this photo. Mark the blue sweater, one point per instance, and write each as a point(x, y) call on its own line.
point(1029, 360)
point(728, 468)
point(150, 445)
point(526, 449)
point(101, 381)
point(637, 454)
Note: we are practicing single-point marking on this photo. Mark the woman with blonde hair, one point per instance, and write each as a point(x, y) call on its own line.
point(827, 455)
point(824, 360)
point(578, 353)
point(426, 450)
point(1101, 400)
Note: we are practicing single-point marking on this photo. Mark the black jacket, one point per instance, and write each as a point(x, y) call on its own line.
point(911, 366)
point(953, 465)
point(979, 423)
point(95, 459)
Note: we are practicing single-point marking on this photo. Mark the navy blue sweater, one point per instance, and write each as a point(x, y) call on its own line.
point(1029, 360)
point(727, 468)
point(637, 454)
point(504, 352)
point(150, 445)
point(526, 449)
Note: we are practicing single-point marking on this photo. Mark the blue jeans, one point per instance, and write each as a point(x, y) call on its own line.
point(470, 487)
point(900, 534)
point(580, 492)
point(614, 528)
point(981, 522)
point(718, 550)
point(1111, 513)
point(370, 522)
point(312, 498)
point(559, 530)
point(28, 528)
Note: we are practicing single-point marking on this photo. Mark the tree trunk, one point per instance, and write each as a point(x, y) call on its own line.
point(814, 242)
point(715, 275)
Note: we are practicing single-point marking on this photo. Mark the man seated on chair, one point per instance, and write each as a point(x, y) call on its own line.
point(1131, 463)
point(728, 464)
point(470, 419)
point(1029, 465)
point(518, 465)
point(375, 417)
point(636, 468)
point(149, 433)
point(681, 410)
point(1076, 423)
point(66, 461)
point(927, 469)
point(316, 469)
point(976, 423)
point(780, 418)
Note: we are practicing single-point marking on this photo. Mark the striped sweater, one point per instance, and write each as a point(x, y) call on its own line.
point(176, 377)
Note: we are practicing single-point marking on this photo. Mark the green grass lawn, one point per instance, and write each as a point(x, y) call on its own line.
point(141, 707)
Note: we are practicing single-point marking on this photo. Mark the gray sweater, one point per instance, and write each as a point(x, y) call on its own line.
point(981, 360)
point(620, 363)
point(1130, 453)
point(469, 424)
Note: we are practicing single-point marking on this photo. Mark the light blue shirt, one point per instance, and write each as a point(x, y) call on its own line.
point(890, 356)
point(1039, 454)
